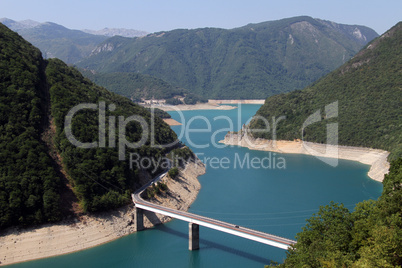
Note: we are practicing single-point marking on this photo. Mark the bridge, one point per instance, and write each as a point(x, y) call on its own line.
point(195, 221)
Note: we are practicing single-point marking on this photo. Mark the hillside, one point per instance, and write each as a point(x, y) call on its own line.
point(368, 236)
point(37, 159)
point(254, 61)
point(134, 85)
point(368, 91)
point(56, 41)
point(29, 187)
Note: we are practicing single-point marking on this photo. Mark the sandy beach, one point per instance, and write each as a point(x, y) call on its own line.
point(376, 158)
point(171, 122)
point(18, 245)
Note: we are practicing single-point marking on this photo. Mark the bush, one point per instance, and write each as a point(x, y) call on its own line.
point(194, 99)
point(180, 156)
point(162, 186)
point(173, 172)
point(173, 101)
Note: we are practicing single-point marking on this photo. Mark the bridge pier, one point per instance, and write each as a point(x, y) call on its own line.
point(193, 236)
point(139, 219)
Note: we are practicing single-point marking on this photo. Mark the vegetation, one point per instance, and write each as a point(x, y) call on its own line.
point(29, 187)
point(138, 86)
point(173, 172)
point(160, 113)
point(180, 156)
point(156, 189)
point(194, 99)
point(30, 89)
point(368, 92)
point(370, 236)
point(134, 85)
point(173, 101)
point(101, 180)
point(56, 41)
point(254, 61)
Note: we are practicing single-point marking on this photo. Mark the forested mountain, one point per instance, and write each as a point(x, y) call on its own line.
point(368, 90)
point(56, 41)
point(29, 187)
point(37, 159)
point(134, 85)
point(254, 61)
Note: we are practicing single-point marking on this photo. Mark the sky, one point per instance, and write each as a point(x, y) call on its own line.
point(164, 15)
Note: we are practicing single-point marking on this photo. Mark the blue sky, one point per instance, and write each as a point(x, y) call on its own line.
point(161, 15)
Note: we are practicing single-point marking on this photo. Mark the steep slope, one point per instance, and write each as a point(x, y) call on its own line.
point(56, 41)
point(254, 61)
point(368, 91)
point(29, 185)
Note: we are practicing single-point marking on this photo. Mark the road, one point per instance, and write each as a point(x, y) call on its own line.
point(233, 229)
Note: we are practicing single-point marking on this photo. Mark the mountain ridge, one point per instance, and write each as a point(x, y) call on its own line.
point(58, 41)
point(117, 31)
point(265, 58)
point(367, 92)
point(109, 32)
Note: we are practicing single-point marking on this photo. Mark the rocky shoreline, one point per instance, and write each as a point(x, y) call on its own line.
point(19, 245)
point(376, 158)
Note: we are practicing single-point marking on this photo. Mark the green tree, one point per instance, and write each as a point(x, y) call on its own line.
point(173, 172)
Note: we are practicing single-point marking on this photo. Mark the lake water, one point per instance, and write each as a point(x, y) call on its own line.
point(273, 199)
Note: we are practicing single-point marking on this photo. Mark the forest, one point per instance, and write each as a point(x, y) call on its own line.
point(365, 92)
point(36, 95)
point(250, 62)
point(29, 187)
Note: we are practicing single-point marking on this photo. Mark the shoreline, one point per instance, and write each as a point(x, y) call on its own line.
point(171, 122)
point(215, 102)
point(20, 245)
point(210, 105)
point(375, 158)
point(199, 106)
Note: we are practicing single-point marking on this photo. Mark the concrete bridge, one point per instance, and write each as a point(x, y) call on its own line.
point(195, 221)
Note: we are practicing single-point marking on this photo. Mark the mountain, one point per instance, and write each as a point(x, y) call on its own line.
point(19, 25)
point(134, 85)
point(43, 175)
point(117, 31)
point(56, 41)
point(368, 91)
point(254, 61)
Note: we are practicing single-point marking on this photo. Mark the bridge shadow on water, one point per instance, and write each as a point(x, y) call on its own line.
point(204, 243)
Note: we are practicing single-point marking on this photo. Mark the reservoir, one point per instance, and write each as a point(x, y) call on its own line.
point(270, 197)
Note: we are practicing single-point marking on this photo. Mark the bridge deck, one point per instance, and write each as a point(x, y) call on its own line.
point(251, 234)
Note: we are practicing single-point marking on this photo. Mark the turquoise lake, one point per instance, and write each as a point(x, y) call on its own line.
point(275, 200)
